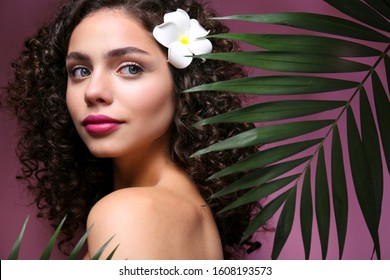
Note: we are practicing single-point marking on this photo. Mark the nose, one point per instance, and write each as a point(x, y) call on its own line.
point(98, 90)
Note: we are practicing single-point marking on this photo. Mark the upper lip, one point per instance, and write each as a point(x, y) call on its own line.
point(99, 119)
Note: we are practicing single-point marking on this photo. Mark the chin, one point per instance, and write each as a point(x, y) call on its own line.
point(100, 154)
point(104, 149)
point(103, 153)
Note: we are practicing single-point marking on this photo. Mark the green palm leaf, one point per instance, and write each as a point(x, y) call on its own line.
point(50, 245)
point(387, 65)
point(382, 106)
point(380, 6)
point(308, 55)
point(76, 250)
point(277, 85)
point(273, 111)
point(362, 180)
point(322, 202)
point(290, 62)
point(306, 212)
point(285, 223)
point(111, 255)
point(302, 44)
point(16, 247)
point(266, 134)
point(339, 190)
point(266, 157)
point(261, 176)
point(354, 9)
point(101, 250)
point(370, 141)
point(265, 214)
point(261, 192)
point(316, 22)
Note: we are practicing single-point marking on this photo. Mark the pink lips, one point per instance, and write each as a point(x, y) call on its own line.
point(100, 124)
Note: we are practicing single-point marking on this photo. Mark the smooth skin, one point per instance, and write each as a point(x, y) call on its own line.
point(115, 68)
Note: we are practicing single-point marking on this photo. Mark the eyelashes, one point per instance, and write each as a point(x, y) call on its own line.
point(130, 69)
point(127, 69)
point(79, 72)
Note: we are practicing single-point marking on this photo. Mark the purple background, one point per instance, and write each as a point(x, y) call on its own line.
point(20, 18)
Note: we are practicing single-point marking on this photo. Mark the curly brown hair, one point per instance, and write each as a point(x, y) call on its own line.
point(65, 178)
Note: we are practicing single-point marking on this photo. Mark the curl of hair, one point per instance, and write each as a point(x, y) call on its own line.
point(64, 177)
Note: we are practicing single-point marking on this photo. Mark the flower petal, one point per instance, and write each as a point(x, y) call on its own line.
point(166, 33)
point(196, 30)
point(181, 19)
point(200, 46)
point(179, 55)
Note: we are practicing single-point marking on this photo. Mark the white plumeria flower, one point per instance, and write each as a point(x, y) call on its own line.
point(183, 38)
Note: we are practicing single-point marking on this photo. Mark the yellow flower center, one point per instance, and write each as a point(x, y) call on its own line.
point(184, 40)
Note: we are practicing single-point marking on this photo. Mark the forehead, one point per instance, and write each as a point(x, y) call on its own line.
point(110, 28)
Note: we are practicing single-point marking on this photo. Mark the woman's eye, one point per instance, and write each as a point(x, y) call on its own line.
point(79, 72)
point(132, 69)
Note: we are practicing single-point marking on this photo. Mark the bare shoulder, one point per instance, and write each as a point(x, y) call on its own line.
point(153, 223)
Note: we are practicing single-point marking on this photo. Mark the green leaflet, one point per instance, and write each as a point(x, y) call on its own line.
point(382, 106)
point(322, 203)
point(354, 9)
point(289, 62)
point(339, 190)
point(387, 67)
point(308, 44)
point(315, 22)
point(266, 134)
point(76, 250)
point(261, 192)
point(272, 111)
point(261, 176)
point(361, 179)
point(265, 214)
point(306, 212)
point(101, 250)
point(285, 223)
point(266, 157)
point(380, 6)
point(109, 257)
point(50, 245)
point(16, 247)
point(371, 146)
point(277, 85)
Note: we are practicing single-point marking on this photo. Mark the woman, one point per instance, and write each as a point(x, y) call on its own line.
point(107, 133)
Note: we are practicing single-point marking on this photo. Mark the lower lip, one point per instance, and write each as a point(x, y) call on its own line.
point(101, 128)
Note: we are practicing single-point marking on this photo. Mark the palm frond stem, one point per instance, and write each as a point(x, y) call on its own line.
point(348, 104)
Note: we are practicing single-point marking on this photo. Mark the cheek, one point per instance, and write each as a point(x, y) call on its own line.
point(153, 99)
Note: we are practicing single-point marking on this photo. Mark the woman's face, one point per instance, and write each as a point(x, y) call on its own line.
point(120, 90)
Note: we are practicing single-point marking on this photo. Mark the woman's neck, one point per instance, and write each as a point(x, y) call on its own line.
point(143, 167)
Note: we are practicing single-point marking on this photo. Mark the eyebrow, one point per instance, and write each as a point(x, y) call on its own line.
point(77, 56)
point(125, 51)
point(111, 54)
